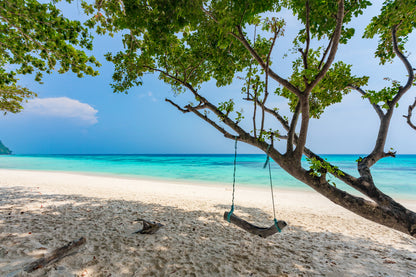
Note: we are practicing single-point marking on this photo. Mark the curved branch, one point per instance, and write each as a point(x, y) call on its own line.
point(334, 48)
point(210, 121)
point(326, 51)
point(378, 151)
point(233, 125)
point(376, 107)
point(260, 61)
point(408, 66)
point(308, 39)
point(195, 110)
point(409, 115)
point(177, 106)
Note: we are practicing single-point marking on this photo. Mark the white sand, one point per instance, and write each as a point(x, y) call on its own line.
point(42, 211)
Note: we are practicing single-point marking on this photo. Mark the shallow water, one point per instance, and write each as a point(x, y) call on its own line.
point(396, 176)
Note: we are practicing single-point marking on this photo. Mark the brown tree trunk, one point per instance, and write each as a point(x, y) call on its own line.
point(388, 212)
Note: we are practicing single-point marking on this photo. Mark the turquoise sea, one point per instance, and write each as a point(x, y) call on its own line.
point(395, 176)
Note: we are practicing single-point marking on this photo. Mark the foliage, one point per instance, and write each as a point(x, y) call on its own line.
point(12, 96)
point(226, 107)
point(36, 38)
point(383, 96)
point(321, 166)
point(188, 42)
point(322, 17)
point(329, 91)
point(400, 14)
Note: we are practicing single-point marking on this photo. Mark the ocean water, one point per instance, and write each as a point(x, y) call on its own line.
point(395, 176)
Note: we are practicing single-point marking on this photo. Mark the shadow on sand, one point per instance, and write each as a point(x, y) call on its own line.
point(192, 243)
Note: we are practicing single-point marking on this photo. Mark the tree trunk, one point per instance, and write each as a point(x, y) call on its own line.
point(388, 213)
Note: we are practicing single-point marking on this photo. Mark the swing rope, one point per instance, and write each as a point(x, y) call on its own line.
point(235, 166)
point(267, 163)
point(271, 188)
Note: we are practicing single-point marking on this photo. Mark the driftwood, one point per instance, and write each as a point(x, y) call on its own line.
point(253, 229)
point(55, 256)
point(148, 227)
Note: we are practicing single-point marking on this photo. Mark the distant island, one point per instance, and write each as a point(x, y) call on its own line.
point(4, 150)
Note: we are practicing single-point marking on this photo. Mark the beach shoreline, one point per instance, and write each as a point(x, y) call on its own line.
point(400, 197)
point(41, 211)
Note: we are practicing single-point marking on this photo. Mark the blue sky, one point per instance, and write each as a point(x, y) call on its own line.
point(83, 116)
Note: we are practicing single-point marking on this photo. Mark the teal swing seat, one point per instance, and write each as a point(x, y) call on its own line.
point(263, 232)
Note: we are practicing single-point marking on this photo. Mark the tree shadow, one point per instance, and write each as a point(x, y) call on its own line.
point(192, 243)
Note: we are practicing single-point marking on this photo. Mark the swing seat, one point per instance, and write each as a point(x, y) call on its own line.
point(253, 229)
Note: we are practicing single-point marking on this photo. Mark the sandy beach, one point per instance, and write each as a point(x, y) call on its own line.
point(42, 211)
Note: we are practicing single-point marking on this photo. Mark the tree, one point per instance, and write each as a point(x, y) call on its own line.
point(191, 42)
point(34, 38)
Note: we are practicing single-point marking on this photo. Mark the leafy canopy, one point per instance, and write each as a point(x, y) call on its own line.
point(399, 15)
point(36, 38)
point(193, 41)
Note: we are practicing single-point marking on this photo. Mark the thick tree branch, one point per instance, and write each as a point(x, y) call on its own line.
point(301, 142)
point(376, 107)
point(334, 46)
point(292, 129)
point(304, 97)
point(392, 215)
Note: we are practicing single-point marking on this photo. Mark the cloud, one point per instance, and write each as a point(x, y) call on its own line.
point(62, 107)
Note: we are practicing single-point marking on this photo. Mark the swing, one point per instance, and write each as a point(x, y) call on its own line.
point(263, 232)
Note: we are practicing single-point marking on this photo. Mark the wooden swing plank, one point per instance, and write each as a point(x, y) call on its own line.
point(253, 229)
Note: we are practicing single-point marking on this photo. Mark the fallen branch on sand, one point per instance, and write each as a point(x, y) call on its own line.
point(55, 256)
point(149, 227)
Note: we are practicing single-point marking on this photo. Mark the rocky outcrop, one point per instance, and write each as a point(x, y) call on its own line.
point(4, 150)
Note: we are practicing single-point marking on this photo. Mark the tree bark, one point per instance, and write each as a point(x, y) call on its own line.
point(386, 211)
